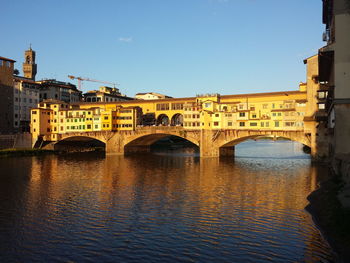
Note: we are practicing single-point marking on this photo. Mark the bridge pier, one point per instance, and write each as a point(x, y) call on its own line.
point(227, 151)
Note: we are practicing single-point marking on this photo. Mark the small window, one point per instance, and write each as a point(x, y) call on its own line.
point(241, 124)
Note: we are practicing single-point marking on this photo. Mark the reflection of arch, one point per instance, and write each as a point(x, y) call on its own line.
point(163, 120)
point(177, 120)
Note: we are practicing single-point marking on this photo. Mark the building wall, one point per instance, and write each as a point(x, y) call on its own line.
point(26, 97)
point(6, 95)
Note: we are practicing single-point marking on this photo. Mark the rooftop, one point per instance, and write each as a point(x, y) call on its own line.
point(7, 59)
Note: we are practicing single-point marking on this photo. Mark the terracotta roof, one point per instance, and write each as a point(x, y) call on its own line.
point(7, 59)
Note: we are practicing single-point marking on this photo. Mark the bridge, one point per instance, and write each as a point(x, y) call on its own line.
point(212, 122)
point(211, 143)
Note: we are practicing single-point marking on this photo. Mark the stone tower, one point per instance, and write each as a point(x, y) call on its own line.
point(29, 66)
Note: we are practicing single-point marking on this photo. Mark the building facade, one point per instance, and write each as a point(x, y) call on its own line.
point(151, 96)
point(25, 97)
point(6, 94)
point(59, 90)
point(105, 94)
point(334, 73)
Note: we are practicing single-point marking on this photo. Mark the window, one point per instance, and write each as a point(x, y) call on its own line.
point(176, 106)
point(262, 124)
point(216, 115)
point(34, 112)
point(321, 106)
point(242, 114)
point(253, 124)
point(163, 106)
point(229, 123)
point(254, 116)
point(277, 123)
point(207, 105)
point(216, 123)
point(265, 106)
point(241, 124)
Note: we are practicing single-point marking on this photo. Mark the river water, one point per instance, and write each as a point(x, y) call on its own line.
point(168, 206)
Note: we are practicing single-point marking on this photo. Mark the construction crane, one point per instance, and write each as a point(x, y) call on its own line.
point(80, 79)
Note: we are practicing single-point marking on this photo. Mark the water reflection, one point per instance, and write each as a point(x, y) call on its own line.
point(161, 207)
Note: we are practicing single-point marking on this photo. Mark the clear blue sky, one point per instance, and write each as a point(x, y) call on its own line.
point(175, 47)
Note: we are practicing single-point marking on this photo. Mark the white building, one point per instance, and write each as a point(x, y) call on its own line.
point(26, 97)
point(151, 96)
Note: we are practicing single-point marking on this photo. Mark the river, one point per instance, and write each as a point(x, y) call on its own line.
point(168, 206)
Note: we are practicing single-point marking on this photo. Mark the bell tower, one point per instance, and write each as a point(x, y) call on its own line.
point(29, 66)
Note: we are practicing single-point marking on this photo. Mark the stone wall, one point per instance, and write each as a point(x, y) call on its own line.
point(18, 141)
point(341, 166)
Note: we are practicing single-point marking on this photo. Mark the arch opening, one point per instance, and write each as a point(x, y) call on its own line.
point(177, 120)
point(228, 148)
point(163, 120)
point(160, 142)
point(79, 144)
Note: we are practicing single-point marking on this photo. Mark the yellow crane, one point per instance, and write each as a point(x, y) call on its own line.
point(80, 79)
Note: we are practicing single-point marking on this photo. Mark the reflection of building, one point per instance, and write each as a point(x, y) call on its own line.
point(334, 73)
point(26, 97)
point(105, 94)
point(6, 94)
point(151, 96)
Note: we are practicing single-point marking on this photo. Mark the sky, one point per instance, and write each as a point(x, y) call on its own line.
point(180, 48)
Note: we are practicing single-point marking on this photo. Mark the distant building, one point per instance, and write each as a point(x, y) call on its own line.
point(105, 94)
point(26, 96)
point(151, 96)
point(6, 95)
point(58, 90)
point(29, 66)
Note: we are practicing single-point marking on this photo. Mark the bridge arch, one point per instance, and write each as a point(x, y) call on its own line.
point(229, 144)
point(79, 141)
point(143, 143)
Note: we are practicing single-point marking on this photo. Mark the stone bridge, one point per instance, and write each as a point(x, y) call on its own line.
point(212, 143)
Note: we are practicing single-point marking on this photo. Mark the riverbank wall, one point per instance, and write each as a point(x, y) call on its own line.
point(18, 141)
